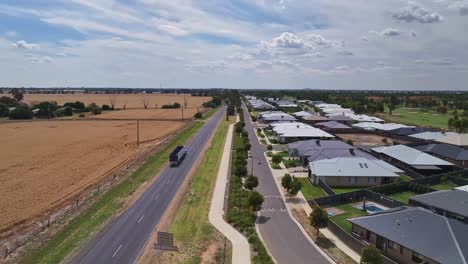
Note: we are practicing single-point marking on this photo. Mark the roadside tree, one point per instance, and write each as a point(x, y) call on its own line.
point(251, 182)
point(255, 200)
point(318, 218)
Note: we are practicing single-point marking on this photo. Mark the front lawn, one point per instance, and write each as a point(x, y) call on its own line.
point(291, 163)
point(402, 196)
point(309, 190)
point(342, 219)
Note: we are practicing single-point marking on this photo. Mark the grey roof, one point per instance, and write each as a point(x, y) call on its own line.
point(332, 124)
point(436, 237)
point(351, 167)
point(340, 118)
point(445, 150)
point(428, 135)
point(411, 156)
point(455, 201)
point(326, 149)
point(405, 131)
point(314, 118)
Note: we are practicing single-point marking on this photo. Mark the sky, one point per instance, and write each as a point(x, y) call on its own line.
point(260, 44)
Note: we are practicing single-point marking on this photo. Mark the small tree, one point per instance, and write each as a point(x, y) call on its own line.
point(294, 188)
point(318, 218)
point(269, 147)
point(4, 110)
point(251, 182)
point(106, 107)
point(350, 142)
point(198, 115)
point(94, 109)
point(286, 181)
point(21, 112)
point(17, 94)
point(255, 200)
point(276, 159)
point(46, 109)
point(371, 255)
point(240, 171)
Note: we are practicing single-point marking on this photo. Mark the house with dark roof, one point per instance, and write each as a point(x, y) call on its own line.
point(352, 172)
point(406, 131)
point(449, 203)
point(312, 119)
point(331, 125)
point(342, 119)
point(448, 152)
point(312, 150)
point(414, 235)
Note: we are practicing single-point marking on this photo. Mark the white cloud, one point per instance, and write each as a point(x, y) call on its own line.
point(319, 40)
point(461, 6)
point(173, 30)
point(391, 32)
point(41, 59)
point(21, 44)
point(345, 53)
point(415, 13)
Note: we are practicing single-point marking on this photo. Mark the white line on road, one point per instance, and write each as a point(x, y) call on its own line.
point(156, 198)
point(115, 253)
point(141, 218)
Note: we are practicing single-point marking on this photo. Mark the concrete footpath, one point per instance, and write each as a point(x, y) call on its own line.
point(240, 245)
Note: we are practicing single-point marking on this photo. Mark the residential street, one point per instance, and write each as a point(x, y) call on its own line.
point(283, 238)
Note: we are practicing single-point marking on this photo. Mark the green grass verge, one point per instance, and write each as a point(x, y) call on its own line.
point(209, 113)
point(446, 185)
point(191, 226)
point(418, 117)
point(402, 196)
point(340, 190)
point(342, 219)
point(309, 190)
point(263, 141)
point(80, 229)
point(275, 166)
point(291, 163)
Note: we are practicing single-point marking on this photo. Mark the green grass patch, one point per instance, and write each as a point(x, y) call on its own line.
point(289, 163)
point(191, 226)
point(275, 166)
point(210, 113)
point(418, 117)
point(80, 229)
point(309, 190)
point(283, 154)
point(339, 190)
point(342, 219)
point(402, 196)
point(446, 185)
point(263, 141)
point(404, 177)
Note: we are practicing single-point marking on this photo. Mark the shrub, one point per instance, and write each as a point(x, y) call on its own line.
point(247, 146)
point(46, 109)
point(371, 255)
point(251, 182)
point(198, 115)
point(4, 110)
point(171, 106)
point(106, 107)
point(350, 142)
point(64, 111)
point(241, 171)
point(94, 109)
point(81, 115)
point(21, 112)
point(79, 106)
point(254, 119)
point(244, 134)
point(277, 159)
point(384, 140)
point(269, 147)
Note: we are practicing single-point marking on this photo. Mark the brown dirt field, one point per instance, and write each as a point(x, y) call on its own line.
point(44, 163)
point(129, 100)
point(149, 114)
point(367, 140)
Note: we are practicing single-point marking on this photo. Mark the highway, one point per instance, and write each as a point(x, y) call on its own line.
point(283, 238)
point(122, 240)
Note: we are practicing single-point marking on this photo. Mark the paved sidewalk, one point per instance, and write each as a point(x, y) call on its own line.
point(240, 245)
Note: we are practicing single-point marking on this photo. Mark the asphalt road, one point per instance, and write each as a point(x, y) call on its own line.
point(122, 240)
point(282, 236)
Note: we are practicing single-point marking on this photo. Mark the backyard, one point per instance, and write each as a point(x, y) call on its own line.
point(342, 219)
point(340, 190)
point(309, 190)
point(444, 185)
point(402, 196)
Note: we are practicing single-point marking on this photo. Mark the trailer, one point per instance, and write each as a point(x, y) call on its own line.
point(177, 155)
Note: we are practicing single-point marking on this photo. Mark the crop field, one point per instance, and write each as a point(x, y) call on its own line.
point(127, 101)
point(44, 163)
point(150, 114)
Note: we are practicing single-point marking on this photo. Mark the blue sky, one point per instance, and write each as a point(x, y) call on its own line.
point(280, 44)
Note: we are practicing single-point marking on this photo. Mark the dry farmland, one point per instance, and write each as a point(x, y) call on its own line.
point(149, 114)
point(43, 163)
point(127, 101)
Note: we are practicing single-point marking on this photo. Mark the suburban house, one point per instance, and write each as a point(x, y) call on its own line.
point(460, 140)
point(312, 150)
point(364, 118)
point(449, 203)
point(294, 131)
point(352, 172)
point(378, 126)
point(331, 125)
point(275, 116)
point(413, 159)
point(462, 188)
point(406, 131)
point(258, 104)
point(414, 235)
point(301, 114)
point(312, 119)
point(450, 153)
point(433, 135)
point(342, 119)
point(286, 103)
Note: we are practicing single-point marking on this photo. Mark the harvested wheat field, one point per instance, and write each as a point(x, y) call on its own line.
point(120, 100)
point(149, 114)
point(43, 163)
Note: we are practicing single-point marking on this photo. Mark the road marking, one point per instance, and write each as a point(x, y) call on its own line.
point(157, 197)
point(115, 253)
point(167, 182)
point(141, 218)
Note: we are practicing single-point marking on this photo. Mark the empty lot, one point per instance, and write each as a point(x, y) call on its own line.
point(368, 139)
point(44, 163)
